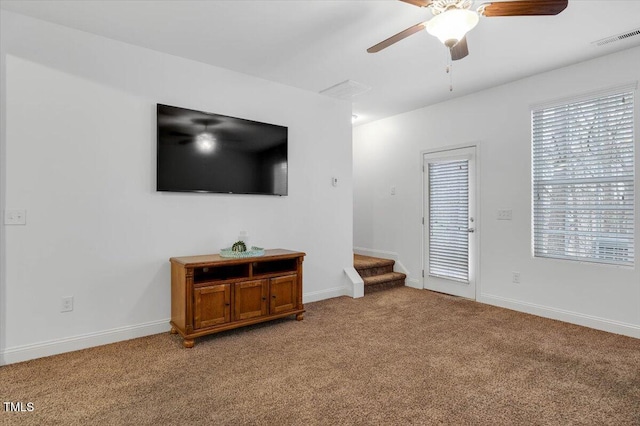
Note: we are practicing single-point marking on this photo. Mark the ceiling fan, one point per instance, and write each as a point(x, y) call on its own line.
point(452, 19)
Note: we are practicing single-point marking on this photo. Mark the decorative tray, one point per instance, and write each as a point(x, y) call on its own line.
point(252, 252)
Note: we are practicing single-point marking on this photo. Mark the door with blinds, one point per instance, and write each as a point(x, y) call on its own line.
point(449, 222)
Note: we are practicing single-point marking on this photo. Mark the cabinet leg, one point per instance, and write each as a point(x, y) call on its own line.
point(188, 343)
point(173, 330)
point(299, 317)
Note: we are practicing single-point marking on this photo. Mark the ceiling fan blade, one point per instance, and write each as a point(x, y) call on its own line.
point(396, 38)
point(419, 3)
point(460, 49)
point(525, 8)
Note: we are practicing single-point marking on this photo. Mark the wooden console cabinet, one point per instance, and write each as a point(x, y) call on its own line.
point(210, 293)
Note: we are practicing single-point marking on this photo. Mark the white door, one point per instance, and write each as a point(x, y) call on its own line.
point(449, 222)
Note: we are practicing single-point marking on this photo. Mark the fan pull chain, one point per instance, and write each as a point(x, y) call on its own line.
point(449, 70)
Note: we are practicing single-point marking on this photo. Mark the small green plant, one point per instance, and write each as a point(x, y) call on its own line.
point(239, 246)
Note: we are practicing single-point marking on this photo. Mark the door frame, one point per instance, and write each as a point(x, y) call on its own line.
point(475, 262)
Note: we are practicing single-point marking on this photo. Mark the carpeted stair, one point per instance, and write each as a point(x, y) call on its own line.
point(377, 273)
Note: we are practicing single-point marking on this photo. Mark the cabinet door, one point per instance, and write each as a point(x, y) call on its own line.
point(212, 305)
point(250, 299)
point(283, 293)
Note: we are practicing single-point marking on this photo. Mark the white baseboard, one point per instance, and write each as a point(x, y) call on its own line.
point(84, 341)
point(315, 296)
point(54, 347)
point(413, 283)
point(375, 253)
point(590, 321)
point(89, 340)
point(399, 267)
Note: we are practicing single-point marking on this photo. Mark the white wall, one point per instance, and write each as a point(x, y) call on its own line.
point(387, 153)
point(78, 144)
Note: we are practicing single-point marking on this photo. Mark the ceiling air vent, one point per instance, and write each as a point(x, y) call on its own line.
point(615, 38)
point(345, 90)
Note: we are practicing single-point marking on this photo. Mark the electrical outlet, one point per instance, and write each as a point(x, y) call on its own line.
point(515, 277)
point(66, 304)
point(505, 214)
point(15, 217)
point(393, 190)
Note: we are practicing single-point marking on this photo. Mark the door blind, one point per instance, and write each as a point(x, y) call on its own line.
point(448, 220)
point(583, 180)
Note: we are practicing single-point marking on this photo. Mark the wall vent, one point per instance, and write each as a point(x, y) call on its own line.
point(612, 39)
point(345, 90)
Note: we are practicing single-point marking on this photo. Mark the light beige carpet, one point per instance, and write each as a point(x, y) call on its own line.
point(401, 356)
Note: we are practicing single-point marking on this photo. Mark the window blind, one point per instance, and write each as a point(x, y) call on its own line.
point(448, 220)
point(583, 180)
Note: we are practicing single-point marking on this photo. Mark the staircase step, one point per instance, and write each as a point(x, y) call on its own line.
point(377, 273)
point(383, 281)
point(368, 266)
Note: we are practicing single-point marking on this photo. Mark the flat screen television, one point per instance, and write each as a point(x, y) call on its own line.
point(205, 152)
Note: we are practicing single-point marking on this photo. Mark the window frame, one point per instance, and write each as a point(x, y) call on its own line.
point(593, 255)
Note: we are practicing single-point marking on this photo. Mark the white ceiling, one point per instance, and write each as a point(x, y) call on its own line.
point(316, 44)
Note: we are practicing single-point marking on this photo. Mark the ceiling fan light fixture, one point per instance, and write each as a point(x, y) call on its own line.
point(451, 25)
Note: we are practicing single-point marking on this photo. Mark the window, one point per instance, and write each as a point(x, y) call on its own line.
point(583, 179)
